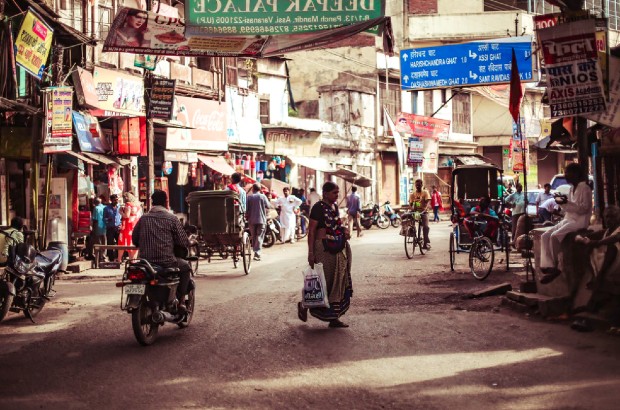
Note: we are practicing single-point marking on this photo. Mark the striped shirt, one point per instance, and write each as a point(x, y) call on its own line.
point(156, 234)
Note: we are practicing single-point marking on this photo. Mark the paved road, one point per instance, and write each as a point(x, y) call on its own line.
point(414, 342)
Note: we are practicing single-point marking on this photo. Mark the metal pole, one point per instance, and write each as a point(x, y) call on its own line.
point(150, 131)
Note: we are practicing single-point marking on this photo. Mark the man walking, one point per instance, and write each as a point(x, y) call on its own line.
point(98, 233)
point(112, 219)
point(354, 207)
point(517, 201)
point(287, 204)
point(257, 205)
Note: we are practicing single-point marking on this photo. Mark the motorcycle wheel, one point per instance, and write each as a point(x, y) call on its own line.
point(270, 239)
point(367, 224)
point(189, 302)
point(396, 222)
point(383, 222)
point(143, 327)
point(36, 294)
point(6, 299)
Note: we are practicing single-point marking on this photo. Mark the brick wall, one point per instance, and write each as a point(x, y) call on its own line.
point(422, 6)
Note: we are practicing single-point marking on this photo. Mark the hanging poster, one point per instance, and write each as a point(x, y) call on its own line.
point(62, 104)
point(415, 155)
point(574, 77)
point(517, 156)
point(118, 92)
point(56, 135)
point(33, 44)
point(162, 99)
point(427, 130)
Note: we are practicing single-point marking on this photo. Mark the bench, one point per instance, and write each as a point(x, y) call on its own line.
point(98, 249)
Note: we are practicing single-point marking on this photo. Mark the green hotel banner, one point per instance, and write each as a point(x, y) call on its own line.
point(274, 17)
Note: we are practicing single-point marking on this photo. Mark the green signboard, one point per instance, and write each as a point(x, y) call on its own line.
point(273, 17)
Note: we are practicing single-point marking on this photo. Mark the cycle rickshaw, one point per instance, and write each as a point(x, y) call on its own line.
point(469, 184)
point(220, 226)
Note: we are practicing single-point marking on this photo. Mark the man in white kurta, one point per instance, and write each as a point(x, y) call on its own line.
point(578, 210)
point(287, 205)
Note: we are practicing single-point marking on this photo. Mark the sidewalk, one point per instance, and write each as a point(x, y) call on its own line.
point(94, 274)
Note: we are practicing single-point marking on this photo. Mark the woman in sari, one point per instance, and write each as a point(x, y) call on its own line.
point(328, 244)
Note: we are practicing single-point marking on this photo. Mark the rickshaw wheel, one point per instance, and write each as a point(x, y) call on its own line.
point(235, 255)
point(481, 257)
point(452, 250)
point(246, 252)
point(410, 242)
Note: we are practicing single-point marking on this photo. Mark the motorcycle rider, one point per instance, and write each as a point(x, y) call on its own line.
point(156, 234)
point(419, 200)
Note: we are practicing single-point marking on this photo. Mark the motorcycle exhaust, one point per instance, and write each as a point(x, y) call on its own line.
point(161, 316)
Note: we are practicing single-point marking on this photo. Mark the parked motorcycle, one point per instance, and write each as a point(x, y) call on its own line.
point(374, 216)
point(28, 279)
point(392, 215)
point(149, 295)
point(273, 232)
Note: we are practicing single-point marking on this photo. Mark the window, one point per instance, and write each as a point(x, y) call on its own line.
point(461, 113)
point(105, 14)
point(390, 98)
point(428, 103)
point(264, 111)
point(71, 13)
point(209, 63)
point(231, 71)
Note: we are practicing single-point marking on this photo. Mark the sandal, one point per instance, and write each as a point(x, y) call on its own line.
point(302, 312)
point(337, 323)
point(613, 331)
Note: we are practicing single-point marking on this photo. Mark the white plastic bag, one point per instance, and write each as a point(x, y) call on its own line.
point(314, 291)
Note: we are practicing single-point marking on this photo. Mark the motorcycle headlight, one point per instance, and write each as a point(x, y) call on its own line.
point(20, 266)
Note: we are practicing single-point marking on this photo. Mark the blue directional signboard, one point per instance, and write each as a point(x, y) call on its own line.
point(465, 65)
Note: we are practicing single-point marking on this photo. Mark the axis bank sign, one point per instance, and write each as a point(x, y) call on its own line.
point(206, 120)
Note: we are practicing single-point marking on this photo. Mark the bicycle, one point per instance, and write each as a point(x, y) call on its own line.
point(412, 236)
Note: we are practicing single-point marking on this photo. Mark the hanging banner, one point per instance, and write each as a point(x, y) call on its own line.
point(162, 98)
point(33, 44)
point(57, 104)
point(140, 32)
point(423, 127)
point(415, 155)
point(119, 93)
point(574, 77)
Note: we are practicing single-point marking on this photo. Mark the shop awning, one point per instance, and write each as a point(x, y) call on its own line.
point(353, 177)
point(11, 105)
point(218, 164)
point(82, 157)
point(106, 159)
point(318, 164)
point(275, 185)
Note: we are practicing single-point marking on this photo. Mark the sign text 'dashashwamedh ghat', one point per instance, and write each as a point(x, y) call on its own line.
point(276, 16)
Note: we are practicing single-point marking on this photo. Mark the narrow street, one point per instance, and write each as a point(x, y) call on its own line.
point(413, 342)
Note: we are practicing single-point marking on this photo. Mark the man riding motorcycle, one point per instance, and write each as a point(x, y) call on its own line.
point(156, 235)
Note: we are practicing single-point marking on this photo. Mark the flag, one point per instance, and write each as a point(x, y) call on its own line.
point(398, 140)
point(516, 93)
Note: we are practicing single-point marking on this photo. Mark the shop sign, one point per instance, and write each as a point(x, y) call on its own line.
point(131, 136)
point(574, 77)
point(57, 104)
point(89, 133)
point(207, 118)
point(292, 142)
point(85, 88)
point(517, 156)
point(416, 151)
point(119, 92)
point(33, 44)
point(162, 97)
point(253, 17)
point(181, 156)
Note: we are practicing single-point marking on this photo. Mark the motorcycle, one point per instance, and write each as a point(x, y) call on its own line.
point(374, 216)
point(273, 232)
point(394, 218)
point(28, 279)
point(149, 295)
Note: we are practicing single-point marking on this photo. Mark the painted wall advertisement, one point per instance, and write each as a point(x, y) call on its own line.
point(58, 103)
point(206, 120)
point(425, 132)
point(574, 77)
point(33, 44)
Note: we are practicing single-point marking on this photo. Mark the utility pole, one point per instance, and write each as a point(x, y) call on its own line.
point(150, 131)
